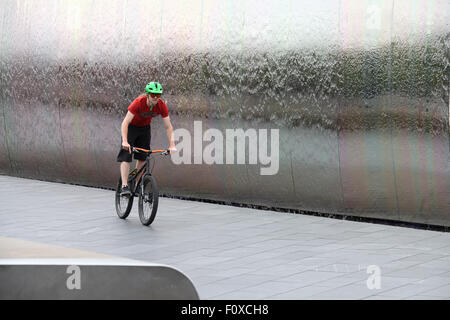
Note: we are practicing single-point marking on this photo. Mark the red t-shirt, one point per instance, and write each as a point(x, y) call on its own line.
point(142, 113)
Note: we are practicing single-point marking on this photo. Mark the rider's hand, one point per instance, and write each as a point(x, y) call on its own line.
point(172, 149)
point(126, 146)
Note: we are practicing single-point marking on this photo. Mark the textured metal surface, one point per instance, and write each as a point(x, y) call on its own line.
point(91, 279)
point(358, 89)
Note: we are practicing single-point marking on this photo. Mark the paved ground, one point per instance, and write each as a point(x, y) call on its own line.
point(236, 253)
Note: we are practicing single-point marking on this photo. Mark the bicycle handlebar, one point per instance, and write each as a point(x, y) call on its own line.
point(140, 150)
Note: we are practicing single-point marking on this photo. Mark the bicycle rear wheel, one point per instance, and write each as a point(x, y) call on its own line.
point(123, 203)
point(148, 200)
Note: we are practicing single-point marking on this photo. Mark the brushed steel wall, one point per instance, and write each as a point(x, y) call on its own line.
point(359, 91)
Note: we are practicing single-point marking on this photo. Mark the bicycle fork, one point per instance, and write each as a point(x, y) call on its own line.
point(145, 197)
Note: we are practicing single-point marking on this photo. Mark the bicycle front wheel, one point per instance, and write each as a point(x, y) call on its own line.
point(148, 200)
point(123, 203)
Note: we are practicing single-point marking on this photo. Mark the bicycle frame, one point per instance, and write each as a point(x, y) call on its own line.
point(147, 165)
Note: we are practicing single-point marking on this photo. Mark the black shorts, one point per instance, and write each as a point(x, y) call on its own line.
point(137, 137)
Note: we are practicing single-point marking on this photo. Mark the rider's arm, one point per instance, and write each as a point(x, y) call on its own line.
point(124, 130)
point(169, 131)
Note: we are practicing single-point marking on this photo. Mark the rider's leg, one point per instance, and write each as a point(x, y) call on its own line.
point(124, 171)
point(142, 141)
point(139, 165)
point(125, 156)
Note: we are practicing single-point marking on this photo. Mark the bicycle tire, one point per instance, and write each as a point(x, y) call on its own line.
point(123, 204)
point(148, 200)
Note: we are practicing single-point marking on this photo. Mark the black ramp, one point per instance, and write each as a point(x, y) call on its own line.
point(74, 279)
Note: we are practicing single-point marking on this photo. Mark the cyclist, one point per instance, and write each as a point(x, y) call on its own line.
point(136, 128)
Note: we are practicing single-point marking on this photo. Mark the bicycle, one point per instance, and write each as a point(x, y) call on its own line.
point(146, 191)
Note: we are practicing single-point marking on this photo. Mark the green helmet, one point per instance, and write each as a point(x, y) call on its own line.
point(154, 87)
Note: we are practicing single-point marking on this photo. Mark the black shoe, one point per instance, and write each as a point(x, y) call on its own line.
point(125, 191)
